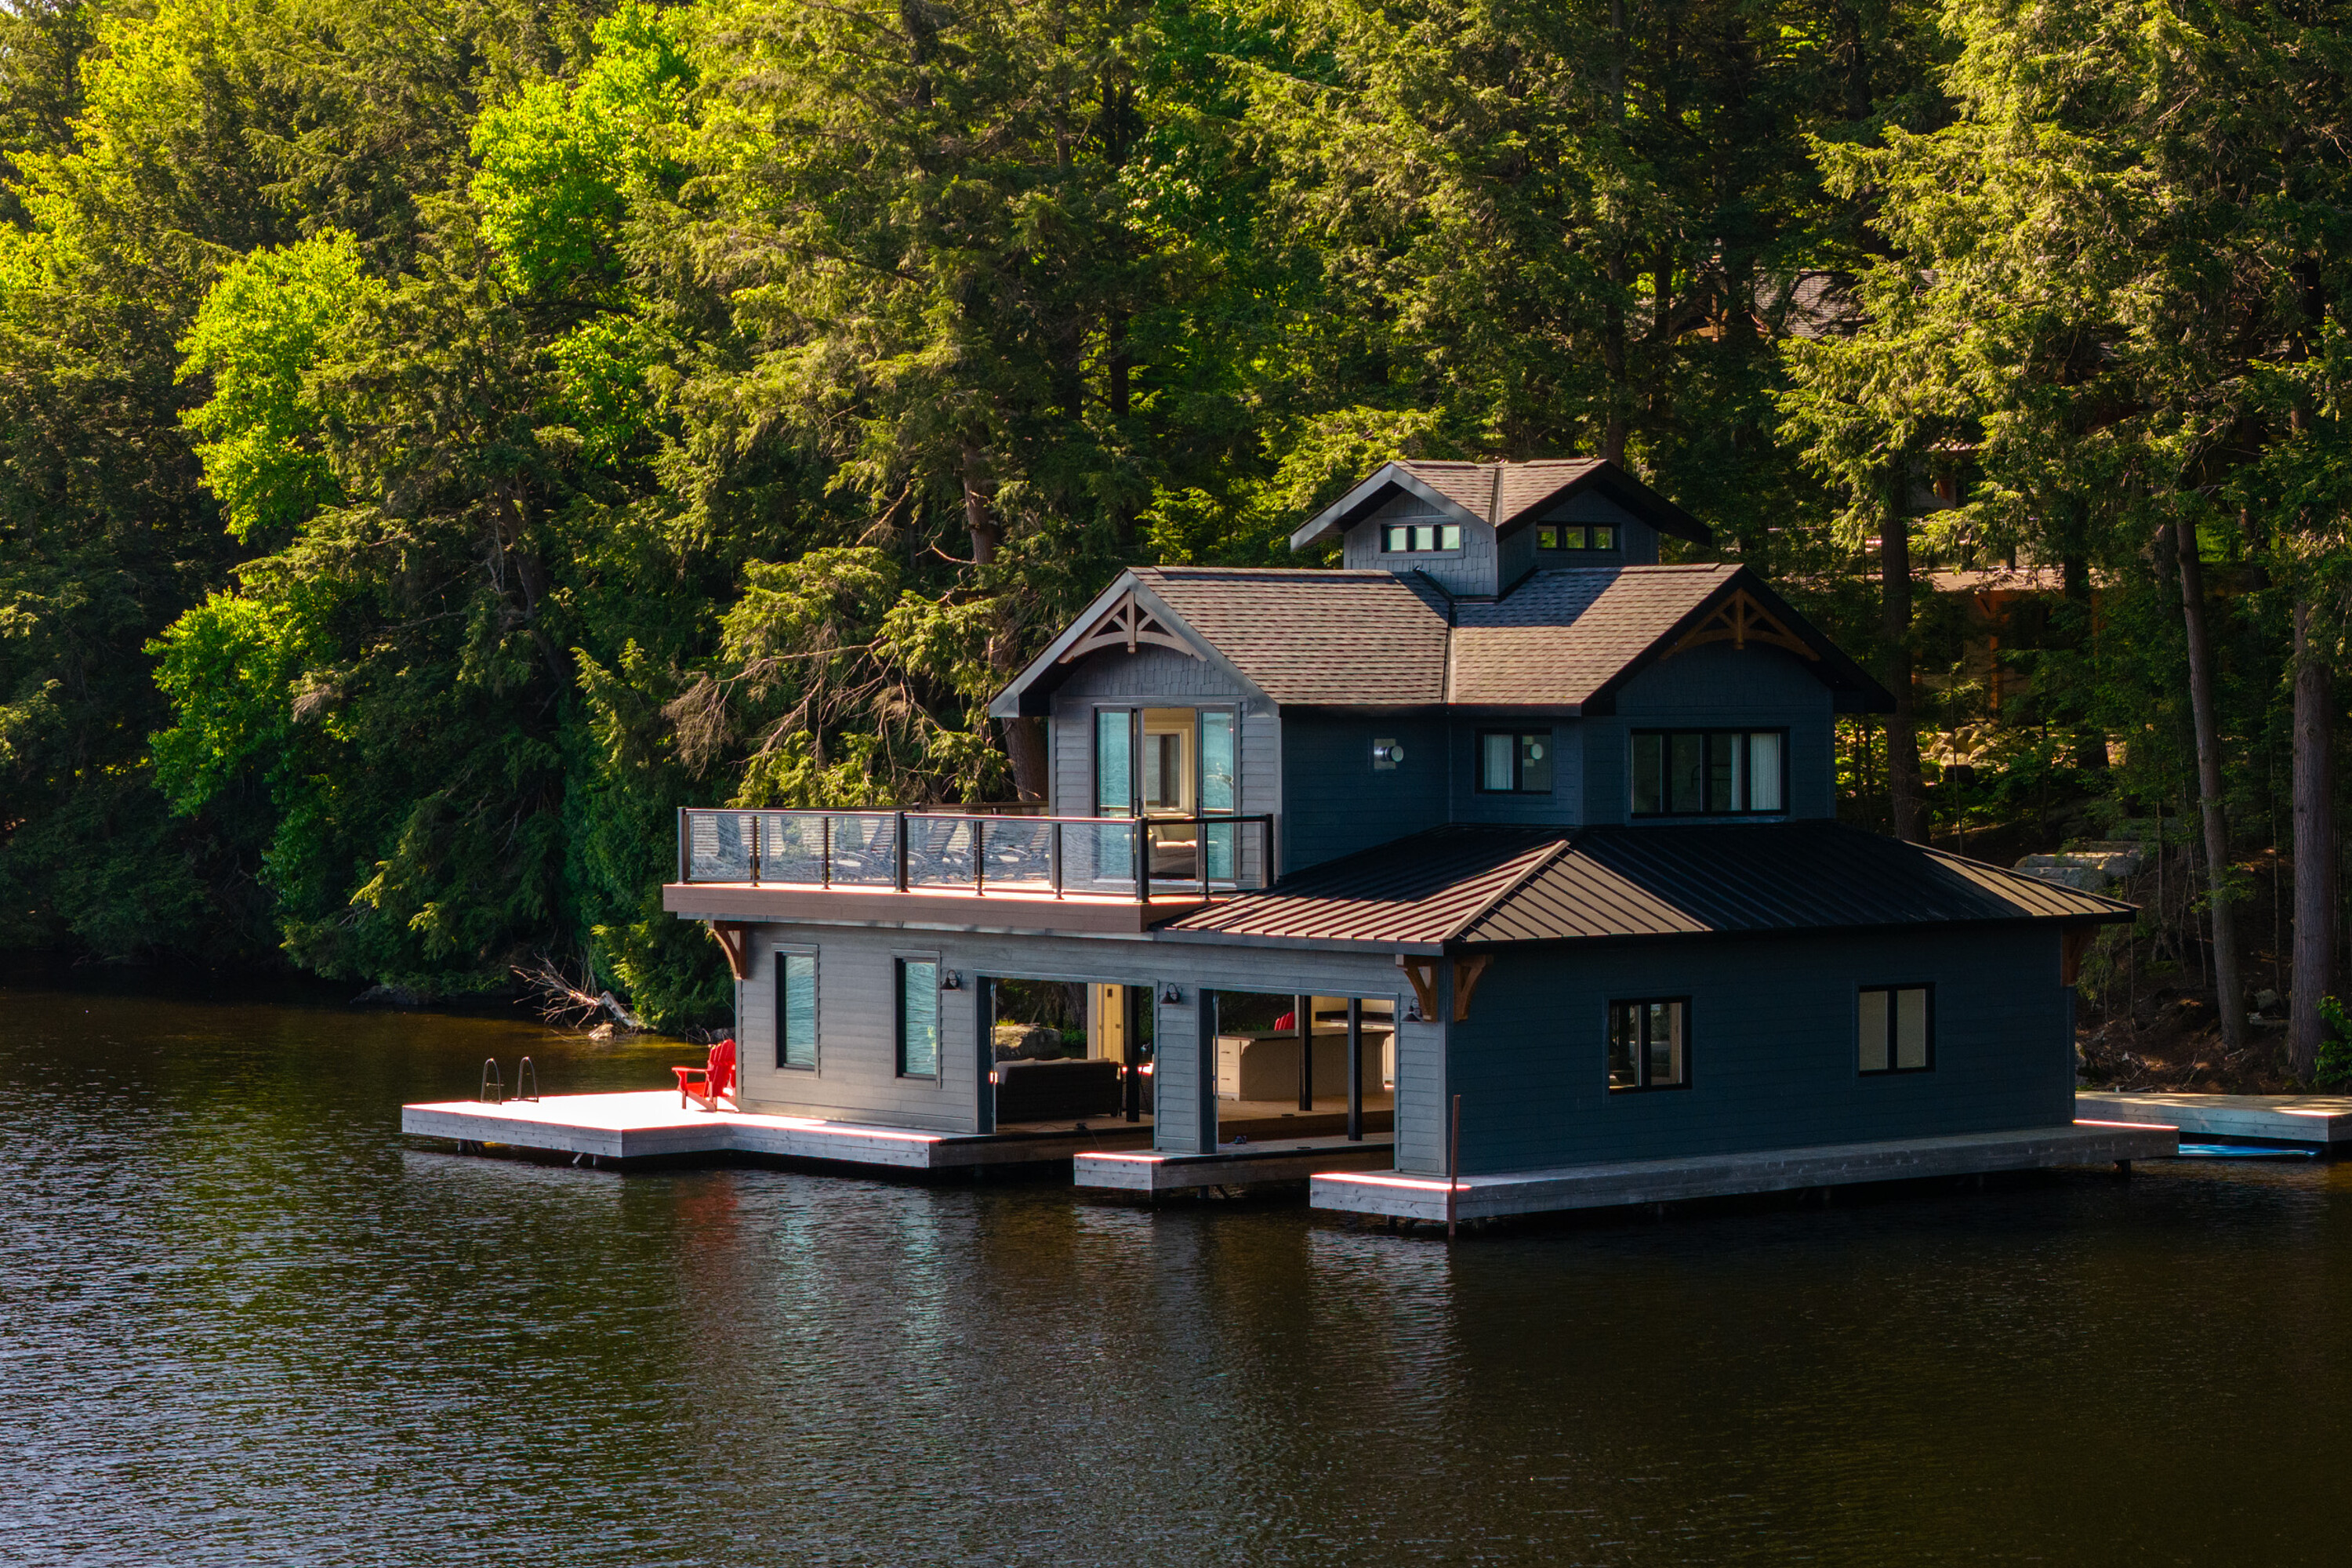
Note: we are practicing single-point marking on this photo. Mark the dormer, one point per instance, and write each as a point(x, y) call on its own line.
point(1474, 529)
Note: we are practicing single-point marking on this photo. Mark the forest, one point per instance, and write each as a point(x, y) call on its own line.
point(439, 440)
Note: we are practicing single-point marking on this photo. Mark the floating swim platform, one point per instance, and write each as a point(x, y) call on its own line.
point(2243, 1152)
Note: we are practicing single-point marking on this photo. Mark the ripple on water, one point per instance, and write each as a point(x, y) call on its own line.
point(242, 1322)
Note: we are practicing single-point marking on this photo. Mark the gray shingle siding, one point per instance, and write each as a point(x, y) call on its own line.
point(1151, 678)
point(858, 1015)
point(1772, 1051)
point(1469, 572)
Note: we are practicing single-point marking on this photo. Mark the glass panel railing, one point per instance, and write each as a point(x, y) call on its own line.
point(939, 850)
point(865, 849)
point(718, 845)
point(791, 846)
point(1072, 857)
point(1018, 853)
point(1098, 857)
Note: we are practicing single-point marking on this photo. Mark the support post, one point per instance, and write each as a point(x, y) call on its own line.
point(1355, 1069)
point(1131, 1000)
point(984, 1005)
point(1302, 1011)
point(1453, 1167)
point(900, 822)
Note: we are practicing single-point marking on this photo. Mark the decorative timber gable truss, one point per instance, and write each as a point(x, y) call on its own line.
point(1740, 620)
point(1128, 624)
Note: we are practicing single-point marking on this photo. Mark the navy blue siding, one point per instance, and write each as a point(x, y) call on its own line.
point(1563, 805)
point(1716, 686)
point(1773, 1047)
point(1335, 803)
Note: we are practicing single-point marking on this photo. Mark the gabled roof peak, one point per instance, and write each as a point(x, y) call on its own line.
point(1504, 496)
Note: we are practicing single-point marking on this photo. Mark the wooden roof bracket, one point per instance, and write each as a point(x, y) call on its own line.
point(1128, 624)
point(1740, 620)
point(1423, 972)
point(735, 941)
point(1466, 971)
point(2074, 944)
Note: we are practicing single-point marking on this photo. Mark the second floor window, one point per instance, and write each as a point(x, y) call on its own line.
point(1419, 538)
point(1708, 772)
point(1515, 761)
point(1576, 536)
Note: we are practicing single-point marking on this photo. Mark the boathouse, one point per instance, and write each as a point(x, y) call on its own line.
point(1536, 833)
point(1493, 870)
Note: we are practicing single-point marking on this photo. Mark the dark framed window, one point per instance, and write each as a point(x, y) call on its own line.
point(1649, 1045)
point(1515, 761)
point(918, 1018)
point(1896, 1029)
point(1575, 536)
point(796, 1011)
point(1710, 773)
point(1419, 538)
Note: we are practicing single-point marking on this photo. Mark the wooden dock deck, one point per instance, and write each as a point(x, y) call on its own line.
point(650, 1125)
point(2307, 1120)
point(1150, 1173)
point(1395, 1196)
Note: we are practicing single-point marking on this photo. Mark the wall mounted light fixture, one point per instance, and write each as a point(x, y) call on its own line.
point(1172, 994)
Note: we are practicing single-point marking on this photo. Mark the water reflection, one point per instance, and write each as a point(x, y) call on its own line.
point(241, 1320)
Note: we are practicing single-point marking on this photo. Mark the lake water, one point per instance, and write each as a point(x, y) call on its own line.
point(243, 1321)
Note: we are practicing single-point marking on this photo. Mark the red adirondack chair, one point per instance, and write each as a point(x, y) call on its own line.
point(710, 1083)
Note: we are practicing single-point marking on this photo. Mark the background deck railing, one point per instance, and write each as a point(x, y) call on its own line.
point(977, 851)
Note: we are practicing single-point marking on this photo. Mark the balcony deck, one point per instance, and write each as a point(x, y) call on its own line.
point(962, 870)
point(1014, 909)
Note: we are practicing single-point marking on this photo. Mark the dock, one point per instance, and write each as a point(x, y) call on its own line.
point(1390, 1194)
point(1150, 1173)
point(652, 1126)
point(2303, 1120)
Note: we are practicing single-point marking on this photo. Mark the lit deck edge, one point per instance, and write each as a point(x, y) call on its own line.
point(1151, 1170)
point(1010, 912)
point(2281, 1118)
point(1615, 1184)
point(598, 1125)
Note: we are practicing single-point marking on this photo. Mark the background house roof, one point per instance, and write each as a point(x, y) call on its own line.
point(1504, 495)
point(1476, 886)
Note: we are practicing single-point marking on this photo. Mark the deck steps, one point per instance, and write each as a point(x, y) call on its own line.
point(1151, 1171)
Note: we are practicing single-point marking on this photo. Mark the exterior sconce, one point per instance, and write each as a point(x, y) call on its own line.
point(1386, 756)
point(1172, 994)
point(951, 980)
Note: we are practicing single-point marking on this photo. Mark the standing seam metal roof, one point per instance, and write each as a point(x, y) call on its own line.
point(1481, 886)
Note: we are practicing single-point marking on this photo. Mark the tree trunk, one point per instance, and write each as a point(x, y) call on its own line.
point(1024, 746)
point(1906, 794)
point(2229, 999)
point(2314, 848)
